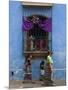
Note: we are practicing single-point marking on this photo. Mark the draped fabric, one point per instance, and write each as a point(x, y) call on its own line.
point(45, 25)
point(27, 24)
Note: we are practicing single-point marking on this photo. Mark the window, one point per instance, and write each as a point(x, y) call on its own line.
point(37, 37)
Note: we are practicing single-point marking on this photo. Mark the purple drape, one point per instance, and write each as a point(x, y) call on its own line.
point(45, 25)
point(27, 24)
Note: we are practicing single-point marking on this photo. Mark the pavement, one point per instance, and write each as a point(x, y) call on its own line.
point(19, 84)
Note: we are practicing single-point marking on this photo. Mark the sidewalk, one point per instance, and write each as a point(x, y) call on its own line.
point(20, 84)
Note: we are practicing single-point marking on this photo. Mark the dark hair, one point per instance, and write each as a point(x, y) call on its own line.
point(42, 65)
point(27, 56)
point(42, 62)
point(49, 52)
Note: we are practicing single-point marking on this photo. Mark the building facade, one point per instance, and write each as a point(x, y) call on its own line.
point(16, 39)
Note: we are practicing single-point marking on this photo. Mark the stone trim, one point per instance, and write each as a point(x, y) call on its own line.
point(26, 3)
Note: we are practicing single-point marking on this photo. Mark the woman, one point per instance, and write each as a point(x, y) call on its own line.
point(49, 66)
point(27, 68)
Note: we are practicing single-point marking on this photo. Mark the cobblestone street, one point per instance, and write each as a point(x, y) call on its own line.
point(34, 84)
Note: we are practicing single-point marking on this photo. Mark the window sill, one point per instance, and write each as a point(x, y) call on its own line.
point(36, 53)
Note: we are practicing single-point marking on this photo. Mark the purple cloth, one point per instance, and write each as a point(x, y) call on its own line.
point(27, 25)
point(45, 25)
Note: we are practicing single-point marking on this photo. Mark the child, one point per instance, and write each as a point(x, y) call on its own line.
point(42, 71)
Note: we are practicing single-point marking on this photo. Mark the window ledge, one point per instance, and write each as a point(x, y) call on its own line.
point(36, 53)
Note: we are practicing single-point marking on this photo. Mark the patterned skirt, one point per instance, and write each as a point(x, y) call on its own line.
point(48, 71)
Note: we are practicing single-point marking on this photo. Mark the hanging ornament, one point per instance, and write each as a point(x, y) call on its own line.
point(35, 19)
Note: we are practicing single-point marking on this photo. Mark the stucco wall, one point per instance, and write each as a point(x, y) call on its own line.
point(16, 59)
point(59, 40)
